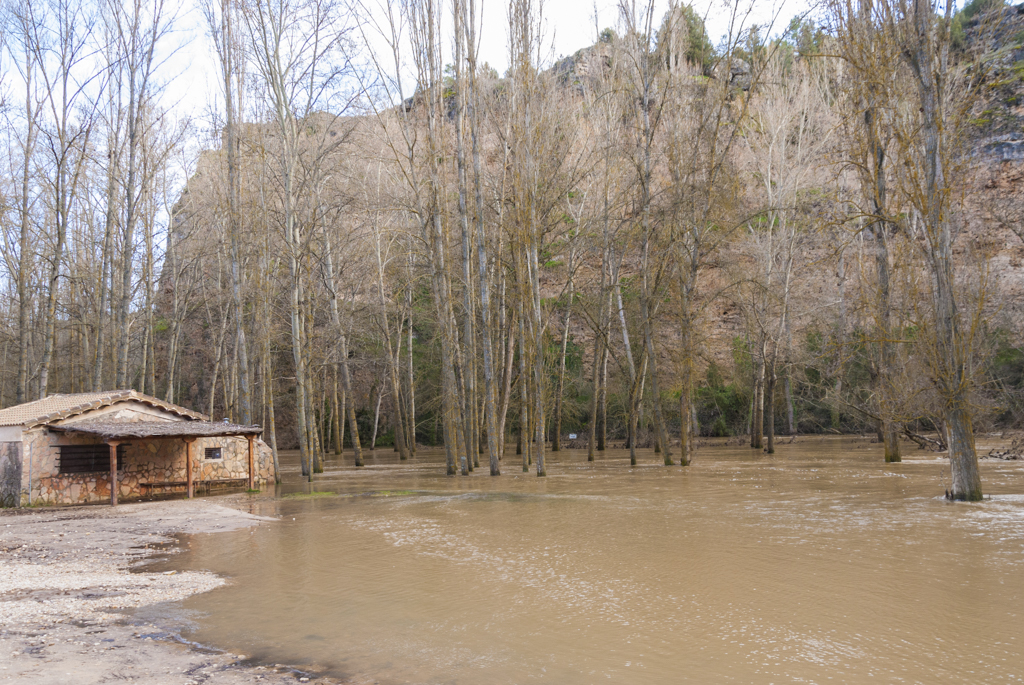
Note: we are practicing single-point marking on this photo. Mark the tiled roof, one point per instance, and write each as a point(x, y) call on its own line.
point(57, 407)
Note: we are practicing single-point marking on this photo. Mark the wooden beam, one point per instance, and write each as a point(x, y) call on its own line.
point(113, 472)
point(188, 466)
point(252, 479)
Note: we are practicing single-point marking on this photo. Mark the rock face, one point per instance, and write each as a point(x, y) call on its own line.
point(1005, 148)
point(739, 74)
point(586, 66)
point(998, 119)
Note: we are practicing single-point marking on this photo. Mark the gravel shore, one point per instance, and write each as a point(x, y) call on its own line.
point(66, 595)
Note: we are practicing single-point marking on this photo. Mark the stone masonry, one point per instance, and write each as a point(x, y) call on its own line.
point(145, 462)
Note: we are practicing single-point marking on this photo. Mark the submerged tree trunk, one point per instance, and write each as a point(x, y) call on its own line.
point(602, 426)
point(888, 428)
point(376, 421)
point(523, 447)
point(769, 401)
point(335, 412)
point(467, 362)
point(686, 408)
point(790, 418)
point(342, 409)
point(874, 180)
point(394, 355)
point(634, 377)
point(268, 382)
point(790, 413)
point(757, 418)
point(556, 427)
point(494, 441)
point(952, 344)
point(346, 382)
point(659, 420)
point(596, 380)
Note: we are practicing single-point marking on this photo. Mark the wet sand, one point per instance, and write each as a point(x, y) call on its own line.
point(71, 579)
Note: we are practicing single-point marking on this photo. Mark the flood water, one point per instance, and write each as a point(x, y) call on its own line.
point(819, 564)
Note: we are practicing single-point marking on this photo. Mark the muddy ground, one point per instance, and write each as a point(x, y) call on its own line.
point(67, 596)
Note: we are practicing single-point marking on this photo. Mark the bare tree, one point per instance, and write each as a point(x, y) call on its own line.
point(20, 35)
point(293, 51)
point(788, 133)
point(137, 32)
point(222, 23)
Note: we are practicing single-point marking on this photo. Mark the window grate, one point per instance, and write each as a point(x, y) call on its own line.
point(213, 453)
point(88, 458)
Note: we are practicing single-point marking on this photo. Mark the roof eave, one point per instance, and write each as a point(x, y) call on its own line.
point(242, 431)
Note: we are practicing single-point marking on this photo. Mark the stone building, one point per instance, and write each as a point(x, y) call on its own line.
point(70, 449)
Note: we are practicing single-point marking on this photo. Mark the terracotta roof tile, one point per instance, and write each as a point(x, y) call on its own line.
point(57, 407)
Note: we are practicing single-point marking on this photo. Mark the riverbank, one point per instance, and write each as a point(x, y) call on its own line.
point(68, 592)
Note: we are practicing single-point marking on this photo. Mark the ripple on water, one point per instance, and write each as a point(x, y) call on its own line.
point(813, 564)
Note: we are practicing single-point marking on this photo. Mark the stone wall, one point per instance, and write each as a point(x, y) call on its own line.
point(10, 474)
point(145, 461)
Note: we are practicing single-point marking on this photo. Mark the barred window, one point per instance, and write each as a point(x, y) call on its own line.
point(213, 453)
point(88, 458)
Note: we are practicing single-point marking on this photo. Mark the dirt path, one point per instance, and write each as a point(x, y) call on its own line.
point(66, 594)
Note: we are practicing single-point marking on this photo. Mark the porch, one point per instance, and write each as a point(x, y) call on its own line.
point(159, 438)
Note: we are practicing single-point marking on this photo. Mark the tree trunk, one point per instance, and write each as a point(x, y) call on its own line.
point(467, 365)
point(346, 382)
point(342, 408)
point(952, 346)
point(634, 389)
point(686, 432)
point(769, 401)
point(524, 402)
point(230, 72)
point(410, 375)
point(538, 362)
point(335, 411)
point(50, 314)
point(602, 427)
point(790, 417)
point(757, 420)
point(506, 382)
point(596, 381)
point(633, 419)
point(394, 355)
point(107, 268)
point(216, 365)
point(376, 421)
point(875, 183)
point(556, 429)
point(272, 421)
point(25, 256)
point(659, 420)
point(494, 444)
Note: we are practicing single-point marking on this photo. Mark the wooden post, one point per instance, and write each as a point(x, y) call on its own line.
point(252, 480)
point(113, 473)
point(188, 466)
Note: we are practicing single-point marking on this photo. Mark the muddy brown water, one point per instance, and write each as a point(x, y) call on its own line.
point(819, 564)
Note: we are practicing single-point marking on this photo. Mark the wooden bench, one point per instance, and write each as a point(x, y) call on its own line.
point(197, 484)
